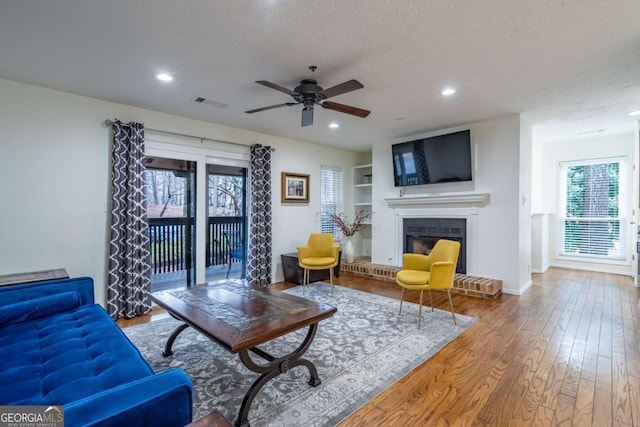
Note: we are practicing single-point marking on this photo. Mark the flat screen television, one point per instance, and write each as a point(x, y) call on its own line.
point(433, 160)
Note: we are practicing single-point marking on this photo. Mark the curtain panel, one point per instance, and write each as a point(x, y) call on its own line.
point(128, 282)
point(259, 251)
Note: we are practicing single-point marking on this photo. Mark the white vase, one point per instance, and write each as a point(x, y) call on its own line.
point(347, 251)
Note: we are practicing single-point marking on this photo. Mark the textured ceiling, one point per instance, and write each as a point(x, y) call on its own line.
point(570, 67)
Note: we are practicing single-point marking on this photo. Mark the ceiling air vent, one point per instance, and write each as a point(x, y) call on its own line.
point(210, 102)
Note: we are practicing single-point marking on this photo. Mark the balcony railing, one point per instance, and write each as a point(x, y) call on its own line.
point(169, 246)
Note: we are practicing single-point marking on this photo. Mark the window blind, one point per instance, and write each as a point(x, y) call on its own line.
point(590, 222)
point(330, 199)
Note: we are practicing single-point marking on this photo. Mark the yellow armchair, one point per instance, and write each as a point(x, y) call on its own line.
point(426, 272)
point(320, 253)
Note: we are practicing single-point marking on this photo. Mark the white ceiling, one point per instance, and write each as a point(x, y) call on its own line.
point(571, 67)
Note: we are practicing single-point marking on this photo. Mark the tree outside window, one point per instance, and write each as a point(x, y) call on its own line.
point(591, 223)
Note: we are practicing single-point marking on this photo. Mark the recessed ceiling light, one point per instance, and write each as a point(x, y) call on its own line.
point(448, 91)
point(334, 125)
point(164, 77)
point(635, 113)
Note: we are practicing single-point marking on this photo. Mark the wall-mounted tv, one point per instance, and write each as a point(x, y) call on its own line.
point(434, 160)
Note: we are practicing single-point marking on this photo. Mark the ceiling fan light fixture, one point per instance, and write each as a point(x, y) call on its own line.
point(307, 115)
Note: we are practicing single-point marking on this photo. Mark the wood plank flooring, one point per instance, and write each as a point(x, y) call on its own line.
point(563, 354)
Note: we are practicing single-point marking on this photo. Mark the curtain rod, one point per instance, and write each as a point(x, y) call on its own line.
point(184, 135)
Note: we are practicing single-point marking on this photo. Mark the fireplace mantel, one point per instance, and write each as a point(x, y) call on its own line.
point(434, 199)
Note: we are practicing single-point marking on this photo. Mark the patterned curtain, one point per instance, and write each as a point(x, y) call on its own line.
point(128, 282)
point(259, 256)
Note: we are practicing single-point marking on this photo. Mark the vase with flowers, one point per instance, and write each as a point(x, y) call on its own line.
point(349, 228)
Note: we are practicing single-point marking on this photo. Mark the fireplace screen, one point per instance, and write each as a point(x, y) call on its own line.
point(421, 234)
point(421, 244)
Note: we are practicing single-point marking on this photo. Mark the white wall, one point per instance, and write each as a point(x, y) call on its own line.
point(499, 245)
point(524, 204)
point(292, 222)
point(54, 179)
point(636, 203)
point(598, 147)
point(540, 242)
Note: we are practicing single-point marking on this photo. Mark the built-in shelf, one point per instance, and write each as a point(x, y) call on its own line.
point(362, 186)
point(434, 199)
point(362, 176)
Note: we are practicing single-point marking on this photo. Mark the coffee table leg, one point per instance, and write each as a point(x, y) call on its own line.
point(167, 349)
point(274, 368)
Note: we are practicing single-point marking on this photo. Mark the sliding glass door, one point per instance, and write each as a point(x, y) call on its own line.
point(192, 241)
point(226, 221)
point(171, 207)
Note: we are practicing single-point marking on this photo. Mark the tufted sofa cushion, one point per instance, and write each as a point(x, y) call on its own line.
point(66, 356)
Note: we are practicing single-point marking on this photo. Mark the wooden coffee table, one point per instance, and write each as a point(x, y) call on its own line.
point(239, 317)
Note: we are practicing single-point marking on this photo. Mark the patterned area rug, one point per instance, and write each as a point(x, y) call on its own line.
point(359, 352)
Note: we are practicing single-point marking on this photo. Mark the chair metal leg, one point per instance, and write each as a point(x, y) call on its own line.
point(451, 305)
point(431, 299)
point(420, 310)
point(401, 297)
point(305, 275)
point(308, 280)
point(331, 280)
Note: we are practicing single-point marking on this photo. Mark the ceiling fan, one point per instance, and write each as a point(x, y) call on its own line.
point(308, 93)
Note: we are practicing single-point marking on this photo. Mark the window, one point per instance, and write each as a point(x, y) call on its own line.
point(330, 199)
point(590, 204)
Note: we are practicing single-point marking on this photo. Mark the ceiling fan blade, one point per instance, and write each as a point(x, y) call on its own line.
point(348, 109)
point(286, 104)
point(276, 87)
point(307, 116)
point(340, 89)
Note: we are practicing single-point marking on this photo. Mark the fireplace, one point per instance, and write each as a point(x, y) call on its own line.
point(421, 234)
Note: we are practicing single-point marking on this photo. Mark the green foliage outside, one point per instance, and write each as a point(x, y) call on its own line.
point(592, 226)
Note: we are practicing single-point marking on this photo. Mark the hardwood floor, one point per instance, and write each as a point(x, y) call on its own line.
point(564, 353)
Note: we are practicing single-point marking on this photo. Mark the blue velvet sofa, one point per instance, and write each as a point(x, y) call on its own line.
point(59, 348)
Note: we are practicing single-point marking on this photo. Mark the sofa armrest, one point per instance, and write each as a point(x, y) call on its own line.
point(38, 307)
point(161, 400)
point(29, 291)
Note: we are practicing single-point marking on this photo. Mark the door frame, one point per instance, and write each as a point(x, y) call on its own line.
point(180, 149)
point(635, 227)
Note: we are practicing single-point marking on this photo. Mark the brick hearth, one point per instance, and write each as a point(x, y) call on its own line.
point(462, 284)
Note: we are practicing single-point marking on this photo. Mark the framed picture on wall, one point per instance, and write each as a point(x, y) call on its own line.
point(295, 188)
